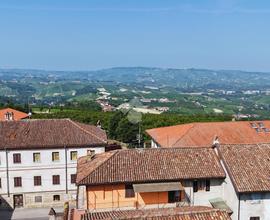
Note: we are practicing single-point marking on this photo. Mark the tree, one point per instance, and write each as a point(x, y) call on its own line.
point(113, 124)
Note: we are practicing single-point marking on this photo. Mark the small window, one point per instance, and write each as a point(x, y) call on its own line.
point(56, 197)
point(17, 181)
point(207, 185)
point(16, 158)
point(36, 157)
point(254, 218)
point(55, 156)
point(38, 199)
point(37, 180)
point(195, 186)
point(73, 178)
point(73, 155)
point(56, 179)
point(129, 191)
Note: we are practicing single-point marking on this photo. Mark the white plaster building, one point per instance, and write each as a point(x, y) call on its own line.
point(247, 183)
point(38, 160)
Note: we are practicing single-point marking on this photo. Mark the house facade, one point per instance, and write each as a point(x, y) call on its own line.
point(149, 178)
point(38, 160)
point(247, 181)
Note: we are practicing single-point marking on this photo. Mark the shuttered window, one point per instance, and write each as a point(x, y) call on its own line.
point(16, 158)
point(56, 179)
point(17, 181)
point(73, 178)
point(37, 180)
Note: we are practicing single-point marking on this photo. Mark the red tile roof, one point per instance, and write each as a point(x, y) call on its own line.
point(203, 134)
point(149, 165)
point(248, 166)
point(17, 114)
point(49, 133)
point(183, 213)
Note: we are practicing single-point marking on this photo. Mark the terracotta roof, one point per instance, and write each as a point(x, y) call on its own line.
point(203, 134)
point(248, 166)
point(149, 165)
point(16, 114)
point(183, 213)
point(49, 133)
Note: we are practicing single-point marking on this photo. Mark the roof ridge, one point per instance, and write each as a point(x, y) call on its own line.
point(88, 132)
point(114, 153)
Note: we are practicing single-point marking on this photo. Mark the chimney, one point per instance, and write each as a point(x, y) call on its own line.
point(90, 155)
point(215, 142)
point(9, 116)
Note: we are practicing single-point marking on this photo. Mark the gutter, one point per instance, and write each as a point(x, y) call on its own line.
point(7, 172)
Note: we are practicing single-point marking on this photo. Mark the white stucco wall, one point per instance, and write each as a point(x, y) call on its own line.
point(255, 205)
point(154, 144)
point(203, 197)
point(46, 168)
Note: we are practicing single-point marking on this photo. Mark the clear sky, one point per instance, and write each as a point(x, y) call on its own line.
point(93, 34)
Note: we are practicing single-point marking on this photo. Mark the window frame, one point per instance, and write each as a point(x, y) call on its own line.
point(17, 181)
point(254, 218)
point(34, 157)
point(57, 180)
point(17, 158)
point(129, 191)
point(71, 152)
point(56, 196)
point(53, 156)
point(72, 178)
point(37, 181)
point(38, 201)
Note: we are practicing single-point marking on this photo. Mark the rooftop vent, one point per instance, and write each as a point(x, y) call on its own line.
point(253, 125)
point(261, 124)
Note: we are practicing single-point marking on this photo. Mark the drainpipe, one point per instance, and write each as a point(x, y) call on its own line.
point(66, 170)
point(7, 172)
point(239, 199)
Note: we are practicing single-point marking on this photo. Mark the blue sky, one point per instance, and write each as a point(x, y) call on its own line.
point(93, 34)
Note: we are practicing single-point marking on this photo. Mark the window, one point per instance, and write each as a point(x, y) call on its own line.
point(176, 196)
point(16, 158)
point(37, 180)
point(207, 185)
point(129, 191)
point(200, 185)
point(17, 181)
point(36, 157)
point(56, 197)
point(73, 178)
point(90, 152)
point(38, 199)
point(0, 183)
point(56, 179)
point(195, 186)
point(55, 156)
point(254, 218)
point(73, 155)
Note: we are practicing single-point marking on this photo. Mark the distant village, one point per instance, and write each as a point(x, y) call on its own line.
point(202, 170)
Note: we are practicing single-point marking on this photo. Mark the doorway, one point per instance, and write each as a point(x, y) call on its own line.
point(18, 201)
